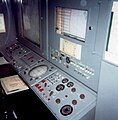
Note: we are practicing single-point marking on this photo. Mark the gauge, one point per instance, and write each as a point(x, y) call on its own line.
point(38, 71)
point(66, 110)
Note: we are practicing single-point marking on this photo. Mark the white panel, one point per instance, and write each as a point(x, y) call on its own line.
point(70, 48)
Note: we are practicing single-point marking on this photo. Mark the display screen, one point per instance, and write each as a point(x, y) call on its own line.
point(70, 48)
point(71, 22)
point(30, 20)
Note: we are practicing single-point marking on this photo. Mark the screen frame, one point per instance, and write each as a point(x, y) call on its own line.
point(20, 35)
point(39, 11)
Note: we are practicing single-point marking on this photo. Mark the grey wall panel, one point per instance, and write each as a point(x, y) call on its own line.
point(107, 103)
point(103, 26)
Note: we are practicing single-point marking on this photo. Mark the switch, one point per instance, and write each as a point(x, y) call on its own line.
point(51, 93)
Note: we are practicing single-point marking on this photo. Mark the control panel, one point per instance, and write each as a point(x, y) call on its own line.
point(65, 97)
point(29, 65)
point(20, 56)
point(72, 38)
point(31, 58)
point(33, 74)
point(26, 60)
point(70, 63)
point(16, 51)
point(66, 80)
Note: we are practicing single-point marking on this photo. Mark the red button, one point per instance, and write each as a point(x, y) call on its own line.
point(43, 81)
point(41, 90)
point(82, 96)
point(37, 85)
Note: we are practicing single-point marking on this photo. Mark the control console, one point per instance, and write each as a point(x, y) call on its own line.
point(64, 96)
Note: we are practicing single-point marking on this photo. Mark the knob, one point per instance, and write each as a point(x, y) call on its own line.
point(67, 59)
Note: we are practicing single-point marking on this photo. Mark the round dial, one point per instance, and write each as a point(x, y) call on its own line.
point(38, 71)
point(66, 110)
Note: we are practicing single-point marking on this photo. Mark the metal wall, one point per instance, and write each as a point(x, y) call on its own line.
point(107, 105)
point(107, 101)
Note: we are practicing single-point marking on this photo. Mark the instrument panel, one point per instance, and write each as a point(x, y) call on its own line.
point(38, 71)
point(64, 96)
point(33, 74)
point(63, 67)
point(72, 39)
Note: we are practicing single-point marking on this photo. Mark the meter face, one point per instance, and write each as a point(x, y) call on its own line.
point(38, 71)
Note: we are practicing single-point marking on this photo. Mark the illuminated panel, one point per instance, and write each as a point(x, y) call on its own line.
point(71, 22)
point(70, 48)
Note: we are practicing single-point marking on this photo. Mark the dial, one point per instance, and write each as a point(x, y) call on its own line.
point(65, 80)
point(60, 87)
point(66, 110)
point(38, 71)
point(70, 84)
